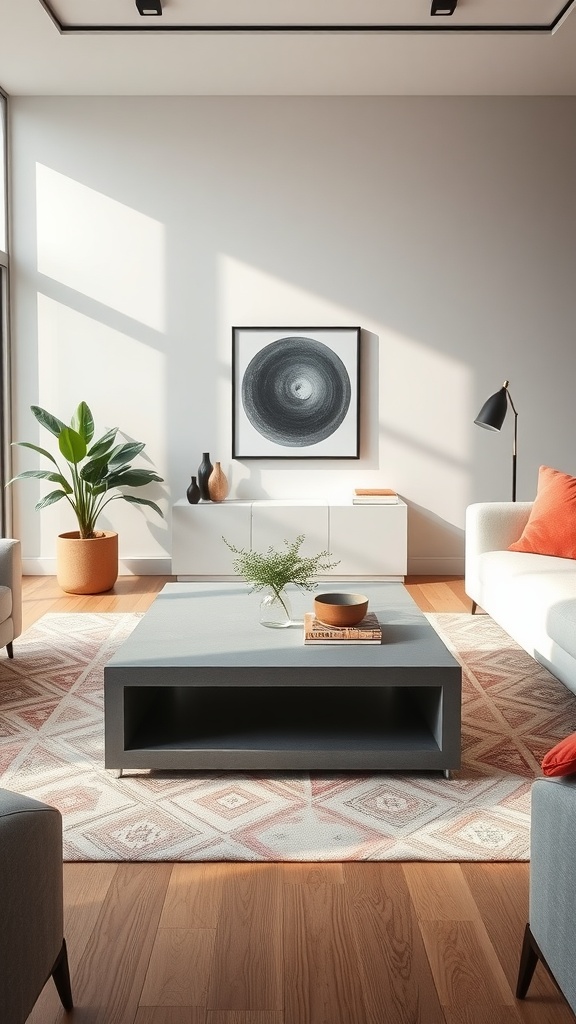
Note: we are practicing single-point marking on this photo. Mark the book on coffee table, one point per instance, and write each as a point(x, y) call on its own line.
point(368, 631)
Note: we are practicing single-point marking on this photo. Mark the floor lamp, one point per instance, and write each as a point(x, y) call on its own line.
point(492, 415)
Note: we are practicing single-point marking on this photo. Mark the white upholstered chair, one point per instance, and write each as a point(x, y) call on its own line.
point(10, 593)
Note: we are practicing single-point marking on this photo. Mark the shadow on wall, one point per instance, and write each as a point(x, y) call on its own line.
point(430, 532)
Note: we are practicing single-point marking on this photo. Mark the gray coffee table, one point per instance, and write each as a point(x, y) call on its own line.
point(201, 684)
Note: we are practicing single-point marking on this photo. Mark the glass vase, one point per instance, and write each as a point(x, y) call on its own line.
point(275, 610)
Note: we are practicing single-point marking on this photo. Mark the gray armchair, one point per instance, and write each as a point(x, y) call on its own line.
point(32, 946)
point(549, 935)
point(10, 593)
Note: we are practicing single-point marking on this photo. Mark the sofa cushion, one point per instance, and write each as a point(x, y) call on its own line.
point(561, 759)
point(551, 526)
point(535, 592)
point(510, 566)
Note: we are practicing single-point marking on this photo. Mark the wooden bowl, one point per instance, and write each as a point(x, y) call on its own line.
point(340, 609)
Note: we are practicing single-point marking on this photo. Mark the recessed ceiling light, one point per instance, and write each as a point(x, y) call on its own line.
point(443, 6)
point(149, 7)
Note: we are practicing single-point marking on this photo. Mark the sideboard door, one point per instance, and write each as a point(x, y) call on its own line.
point(273, 522)
point(369, 540)
point(197, 531)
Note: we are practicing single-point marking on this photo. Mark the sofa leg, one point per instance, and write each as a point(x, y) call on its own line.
point(61, 975)
point(474, 607)
point(10, 650)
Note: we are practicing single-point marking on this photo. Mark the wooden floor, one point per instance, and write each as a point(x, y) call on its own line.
point(348, 943)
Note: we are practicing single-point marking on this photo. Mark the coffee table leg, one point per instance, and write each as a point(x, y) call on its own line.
point(447, 773)
point(116, 772)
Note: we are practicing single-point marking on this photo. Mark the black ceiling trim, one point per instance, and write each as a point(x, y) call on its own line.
point(429, 29)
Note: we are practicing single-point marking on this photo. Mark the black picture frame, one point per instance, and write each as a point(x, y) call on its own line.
point(296, 392)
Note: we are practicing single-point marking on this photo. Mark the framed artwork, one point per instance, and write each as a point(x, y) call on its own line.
point(295, 392)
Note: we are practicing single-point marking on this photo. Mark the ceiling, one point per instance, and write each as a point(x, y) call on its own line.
point(487, 47)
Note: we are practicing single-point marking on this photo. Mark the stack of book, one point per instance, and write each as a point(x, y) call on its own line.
point(368, 631)
point(374, 496)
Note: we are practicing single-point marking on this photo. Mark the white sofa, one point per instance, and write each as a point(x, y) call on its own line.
point(533, 597)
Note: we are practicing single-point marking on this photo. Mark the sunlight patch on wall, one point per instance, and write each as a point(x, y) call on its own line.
point(427, 396)
point(251, 296)
point(101, 248)
point(417, 402)
point(80, 359)
point(426, 415)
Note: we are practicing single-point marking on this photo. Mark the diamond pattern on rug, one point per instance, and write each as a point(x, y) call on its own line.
point(51, 748)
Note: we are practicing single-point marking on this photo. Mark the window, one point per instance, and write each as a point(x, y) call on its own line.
point(3, 176)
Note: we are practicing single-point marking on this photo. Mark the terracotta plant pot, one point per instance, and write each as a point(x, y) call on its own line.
point(87, 566)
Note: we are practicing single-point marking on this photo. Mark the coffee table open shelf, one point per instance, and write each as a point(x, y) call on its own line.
point(200, 684)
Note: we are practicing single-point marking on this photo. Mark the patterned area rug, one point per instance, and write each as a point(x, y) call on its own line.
point(51, 726)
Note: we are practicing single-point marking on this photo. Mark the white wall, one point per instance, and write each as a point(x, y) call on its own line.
point(143, 229)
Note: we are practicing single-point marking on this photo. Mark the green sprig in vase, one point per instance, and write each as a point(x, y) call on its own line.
point(272, 571)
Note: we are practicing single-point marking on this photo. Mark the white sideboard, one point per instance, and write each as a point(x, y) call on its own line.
point(368, 541)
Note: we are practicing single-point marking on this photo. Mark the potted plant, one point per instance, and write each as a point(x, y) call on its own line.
point(273, 570)
point(87, 559)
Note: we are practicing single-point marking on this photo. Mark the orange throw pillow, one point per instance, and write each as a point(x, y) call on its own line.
point(551, 528)
point(561, 760)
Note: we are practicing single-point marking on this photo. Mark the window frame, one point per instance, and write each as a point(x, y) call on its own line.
point(5, 361)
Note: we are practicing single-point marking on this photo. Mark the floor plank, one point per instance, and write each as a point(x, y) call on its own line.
point(170, 1015)
point(244, 1017)
point(439, 892)
point(397, 984)
point(109, 979)
point(179, 970)
point(247, 967)
point(461, 971)
point(194, 896)
point(322, 982)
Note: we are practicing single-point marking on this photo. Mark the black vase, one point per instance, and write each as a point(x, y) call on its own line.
point(193, 492)
point(204, 470)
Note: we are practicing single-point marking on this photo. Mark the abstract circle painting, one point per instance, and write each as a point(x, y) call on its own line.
point(296, 391)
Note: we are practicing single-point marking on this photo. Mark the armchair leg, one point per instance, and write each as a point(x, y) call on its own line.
point(528, 960)
point(10, 650)
point(61, 975)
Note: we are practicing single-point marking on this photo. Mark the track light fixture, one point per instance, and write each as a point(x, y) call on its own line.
point(149, 7)
point(443, 7)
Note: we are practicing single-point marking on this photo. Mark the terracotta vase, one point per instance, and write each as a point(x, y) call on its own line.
point(217, 484)
point(87, 566)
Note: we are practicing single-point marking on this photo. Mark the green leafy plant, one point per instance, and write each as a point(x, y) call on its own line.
point(275, 569)
point(94, 470)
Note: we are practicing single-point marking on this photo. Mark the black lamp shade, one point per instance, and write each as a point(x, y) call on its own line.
point(149, 7)
point(493, 412)
point(443, 7)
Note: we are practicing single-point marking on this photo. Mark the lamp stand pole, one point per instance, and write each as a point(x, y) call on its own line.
point(514, 443)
